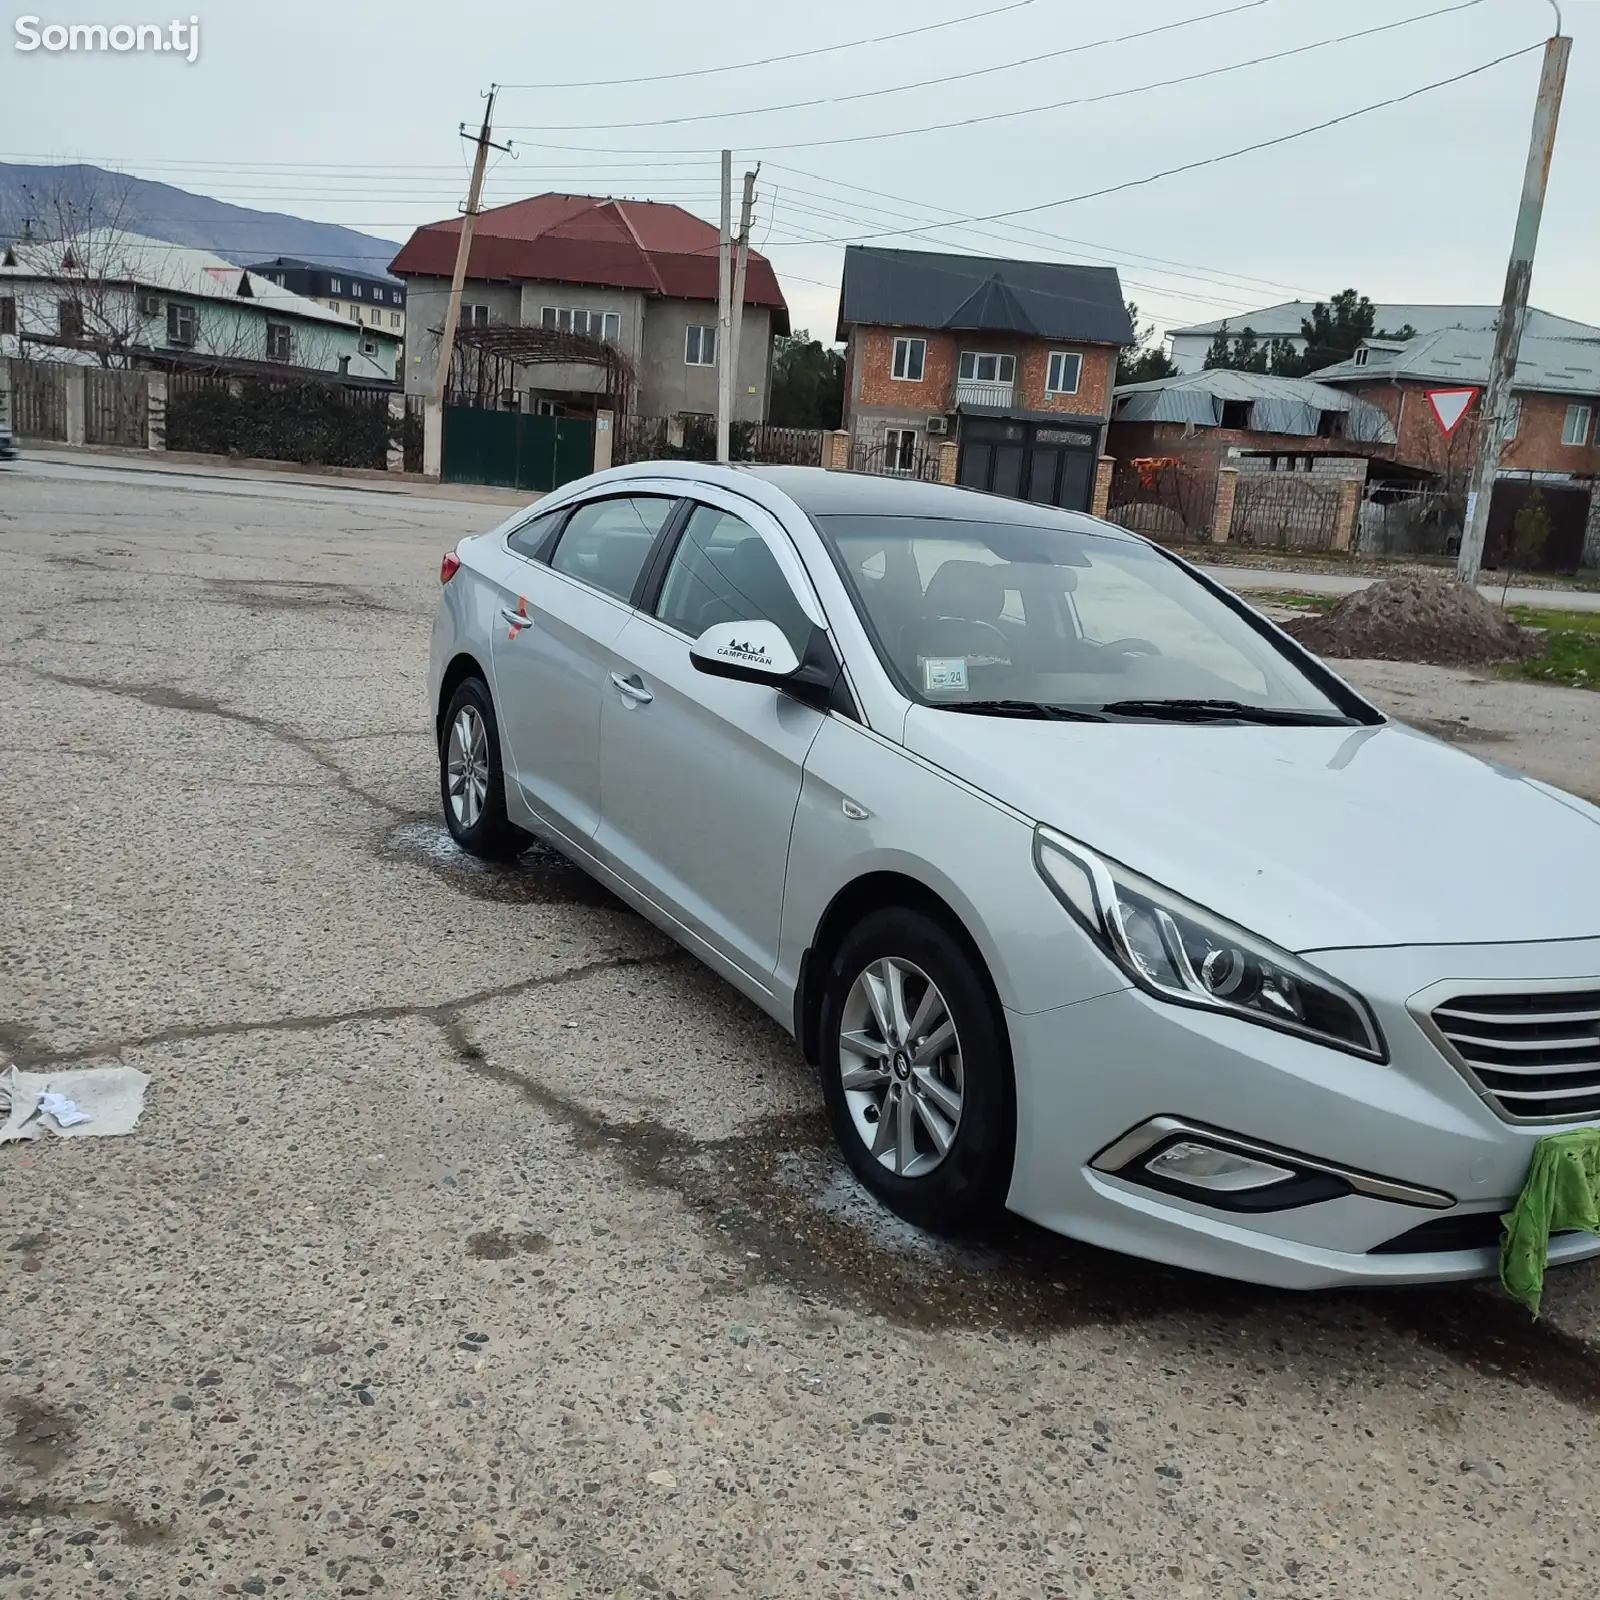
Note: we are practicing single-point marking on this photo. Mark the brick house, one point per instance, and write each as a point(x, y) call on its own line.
point(1013, 360)
point(1554, 447)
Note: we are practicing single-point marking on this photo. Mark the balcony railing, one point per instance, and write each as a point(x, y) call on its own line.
point(995, 396)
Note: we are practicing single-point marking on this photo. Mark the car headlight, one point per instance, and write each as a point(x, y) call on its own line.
point(1179, 951)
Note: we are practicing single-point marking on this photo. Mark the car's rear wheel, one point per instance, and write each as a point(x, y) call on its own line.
point(917, 1071)
point(472, 784)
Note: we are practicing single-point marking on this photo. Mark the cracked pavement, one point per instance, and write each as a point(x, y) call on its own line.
point(475, 1242)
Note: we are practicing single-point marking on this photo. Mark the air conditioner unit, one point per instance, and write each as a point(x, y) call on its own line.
point(149, 304)
point(938, 425)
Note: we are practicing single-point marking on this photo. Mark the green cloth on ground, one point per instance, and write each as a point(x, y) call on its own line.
point(1562, 1194)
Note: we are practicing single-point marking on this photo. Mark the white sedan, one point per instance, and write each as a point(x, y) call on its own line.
point(1087, 890)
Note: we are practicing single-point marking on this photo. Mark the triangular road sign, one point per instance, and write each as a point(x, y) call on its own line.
point(1450, 406)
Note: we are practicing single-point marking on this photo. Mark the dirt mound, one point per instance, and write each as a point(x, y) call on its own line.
point(1417, 617)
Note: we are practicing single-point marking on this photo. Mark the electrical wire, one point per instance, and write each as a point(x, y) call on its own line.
point(768, 61)
point(922, 83)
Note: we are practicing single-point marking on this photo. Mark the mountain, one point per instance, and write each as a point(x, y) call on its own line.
point(92, 196)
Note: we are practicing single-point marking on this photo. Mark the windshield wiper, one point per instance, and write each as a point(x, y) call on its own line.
point(1224, 711)
point(1039, 710)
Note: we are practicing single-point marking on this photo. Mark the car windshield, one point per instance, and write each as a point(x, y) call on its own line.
point(996, 616)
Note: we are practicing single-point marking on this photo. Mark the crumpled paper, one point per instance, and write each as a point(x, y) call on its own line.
point(92, 1102)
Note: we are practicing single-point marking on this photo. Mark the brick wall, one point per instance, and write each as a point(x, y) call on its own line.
point(1208, 447)
point(870, 382)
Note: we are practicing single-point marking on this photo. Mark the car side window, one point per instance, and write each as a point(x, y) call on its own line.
point(722, 571)
point(607, 542)
point(528, 540)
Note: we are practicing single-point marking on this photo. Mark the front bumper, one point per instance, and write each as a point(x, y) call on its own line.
point(1089, 1074)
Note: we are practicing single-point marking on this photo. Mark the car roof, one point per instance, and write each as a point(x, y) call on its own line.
point(820, 492)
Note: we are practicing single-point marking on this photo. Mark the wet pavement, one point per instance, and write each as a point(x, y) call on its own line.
point(476, 1241)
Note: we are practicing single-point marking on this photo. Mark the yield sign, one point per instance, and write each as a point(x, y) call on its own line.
point(1450, 406)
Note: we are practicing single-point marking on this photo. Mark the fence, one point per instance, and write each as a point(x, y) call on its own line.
point(694, 438)
point(894, 461)
point(1410, 522)
point(38, 399)
point(1164, 498)
point(324, 424)
point(1285, 511)
point(514, 450)
point(116, 408)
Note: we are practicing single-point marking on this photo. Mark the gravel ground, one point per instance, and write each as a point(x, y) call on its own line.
point(476, 1243)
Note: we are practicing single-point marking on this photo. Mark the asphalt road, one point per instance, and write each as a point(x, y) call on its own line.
point(475, 1242)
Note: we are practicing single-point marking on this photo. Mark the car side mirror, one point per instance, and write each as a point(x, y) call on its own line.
point(750, 652)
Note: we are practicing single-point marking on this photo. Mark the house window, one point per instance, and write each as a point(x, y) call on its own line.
point(976, 367)
point(280, 341)
point(1361, 356)
point(900, 449)
point(605, 325)
point(910, 358)
point(69, 318)
point(355, 313)
point(8, 314)
point(333, 306)
point(1576, 430)
point(180, 325)
point(334, 286)
point(369, 347)
point(355, 291)
point(394, 319)
point(1066, 369)
point(475, 316)
point(699, 346)
point(377, 317)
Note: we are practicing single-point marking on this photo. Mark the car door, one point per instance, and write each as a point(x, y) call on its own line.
point(700, 776)
point(567, 588)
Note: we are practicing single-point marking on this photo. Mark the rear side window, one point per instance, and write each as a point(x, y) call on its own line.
point(528, 540)
point(607, 542)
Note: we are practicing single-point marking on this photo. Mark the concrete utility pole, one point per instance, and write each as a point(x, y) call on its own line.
point(743, 262)
point(724, 313)
point(433, 410)
point(1497, 396)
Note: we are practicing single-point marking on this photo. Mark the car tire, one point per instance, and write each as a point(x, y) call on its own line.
point(472, 783)
point(928, 1091)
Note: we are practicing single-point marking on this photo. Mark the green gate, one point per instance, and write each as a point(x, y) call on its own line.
point(515, 451)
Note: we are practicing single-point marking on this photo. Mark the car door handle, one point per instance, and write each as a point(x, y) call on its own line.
point(633, 688)
point(517, 619)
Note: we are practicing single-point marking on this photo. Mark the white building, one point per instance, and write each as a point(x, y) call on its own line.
point(107, 297)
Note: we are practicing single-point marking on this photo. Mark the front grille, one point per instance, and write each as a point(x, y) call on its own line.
point(1537, 1055)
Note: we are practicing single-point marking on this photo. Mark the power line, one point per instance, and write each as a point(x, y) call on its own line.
point(1210, 161)
point(922, 83)
point(768, 61)
point(1003, 116)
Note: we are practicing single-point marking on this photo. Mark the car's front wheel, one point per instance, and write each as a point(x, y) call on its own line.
point(472, 784)
point(917, 1071)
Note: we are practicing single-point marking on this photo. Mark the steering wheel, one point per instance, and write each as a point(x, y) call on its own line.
point(1132, 647)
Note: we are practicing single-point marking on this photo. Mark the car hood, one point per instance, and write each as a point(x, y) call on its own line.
point(1316, 838)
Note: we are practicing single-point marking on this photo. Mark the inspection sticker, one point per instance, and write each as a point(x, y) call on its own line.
point(944, 674)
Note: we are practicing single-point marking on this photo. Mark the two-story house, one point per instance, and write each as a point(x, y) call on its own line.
point(364, 297)
point(1015, 360)
point(106, 297)
point(635, 275)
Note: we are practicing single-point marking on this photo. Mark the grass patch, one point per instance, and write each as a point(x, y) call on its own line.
point(1571, 650)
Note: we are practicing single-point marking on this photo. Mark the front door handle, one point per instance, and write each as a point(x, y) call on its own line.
point(517, 619)
point(633, 688)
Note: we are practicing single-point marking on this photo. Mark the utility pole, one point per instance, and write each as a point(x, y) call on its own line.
point(743, 262)
point(433, 409)
point(1497, 396)
point(724, 314)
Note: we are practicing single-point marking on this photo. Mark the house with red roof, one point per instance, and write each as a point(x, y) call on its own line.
point(635, 275)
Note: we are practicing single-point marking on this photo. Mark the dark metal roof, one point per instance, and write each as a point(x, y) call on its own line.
point(926, 289)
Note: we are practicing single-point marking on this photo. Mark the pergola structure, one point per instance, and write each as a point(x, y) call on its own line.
point(485, 362)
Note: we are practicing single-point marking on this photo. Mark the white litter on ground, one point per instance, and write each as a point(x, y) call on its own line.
point(96, 1102)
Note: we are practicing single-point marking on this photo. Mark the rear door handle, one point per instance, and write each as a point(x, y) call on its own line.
point(517, 619)
point(632, 687)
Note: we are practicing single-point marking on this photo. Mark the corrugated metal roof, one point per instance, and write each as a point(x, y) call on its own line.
point(980, 294)
point(1278, 405)
point(582, 239)
point(1283, 321)
point(1553, 366)
point(110, 255)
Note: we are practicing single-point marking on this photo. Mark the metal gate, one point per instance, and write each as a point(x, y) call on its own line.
point(894, 461)
point(39, 399)
point(116, 408)
point(1285, 511)
point(514, 451)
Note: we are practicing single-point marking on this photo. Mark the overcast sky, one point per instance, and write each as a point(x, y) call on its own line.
point(348, 113)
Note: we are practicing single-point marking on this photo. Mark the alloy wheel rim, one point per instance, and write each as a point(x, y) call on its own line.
point(900, 1067)
point(467, 766)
